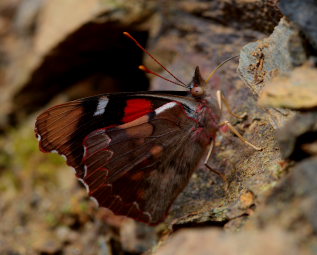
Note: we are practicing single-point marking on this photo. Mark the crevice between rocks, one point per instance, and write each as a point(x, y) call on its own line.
point(95, 59)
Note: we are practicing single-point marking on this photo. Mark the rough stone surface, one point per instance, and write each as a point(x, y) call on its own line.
point(292, 206)
point(302, 13)
point(137, 237)
point(258, 15)
point(278, 54)
point(297, 138)
point(297, 90)
point(214, 241)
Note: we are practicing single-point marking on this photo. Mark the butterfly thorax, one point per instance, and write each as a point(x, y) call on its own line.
point(207, 117)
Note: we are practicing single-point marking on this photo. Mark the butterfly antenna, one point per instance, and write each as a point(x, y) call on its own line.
point(220, 65)
point(147, 70)
point(148, 53)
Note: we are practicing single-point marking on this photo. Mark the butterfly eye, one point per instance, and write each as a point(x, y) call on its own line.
point(197, 91)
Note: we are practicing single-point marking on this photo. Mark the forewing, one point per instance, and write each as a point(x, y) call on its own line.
point(137, 169)
point(63, 128)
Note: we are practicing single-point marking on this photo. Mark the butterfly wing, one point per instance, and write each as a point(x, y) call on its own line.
point(138, 169)
point(134, 162)
point(63, 128)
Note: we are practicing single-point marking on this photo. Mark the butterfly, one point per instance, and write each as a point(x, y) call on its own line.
point(134, 152)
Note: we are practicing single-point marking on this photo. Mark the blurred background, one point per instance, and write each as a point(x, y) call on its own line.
point(55, 51)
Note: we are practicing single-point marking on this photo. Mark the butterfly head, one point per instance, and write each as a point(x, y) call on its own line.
point(197, 84)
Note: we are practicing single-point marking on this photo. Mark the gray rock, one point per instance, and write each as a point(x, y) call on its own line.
point(292, 206)
point(303, 14)
point(278, 54)
point(297, 137)
point(304, 186)
point(26, 16)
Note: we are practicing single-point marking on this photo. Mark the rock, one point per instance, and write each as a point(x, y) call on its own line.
point(292, 206)
point(297, 138)
point(214, 241)
point(305, 186)
point(26, 17)
point(136, 237)
point(303, 14)
point(235, 225)
point(297, 91)
point(47, 244)
point(251, 14)
point(247, 199)
point(278, 54)
point(52, 31)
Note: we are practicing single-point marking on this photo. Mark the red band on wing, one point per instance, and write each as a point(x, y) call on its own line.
point(136, 108)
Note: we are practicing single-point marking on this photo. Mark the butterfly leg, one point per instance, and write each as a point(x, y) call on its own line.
point(236, 132)
point(221, 99)
point(221, 175)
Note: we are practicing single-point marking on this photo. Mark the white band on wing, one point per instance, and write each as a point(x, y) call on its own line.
point(101, 107)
